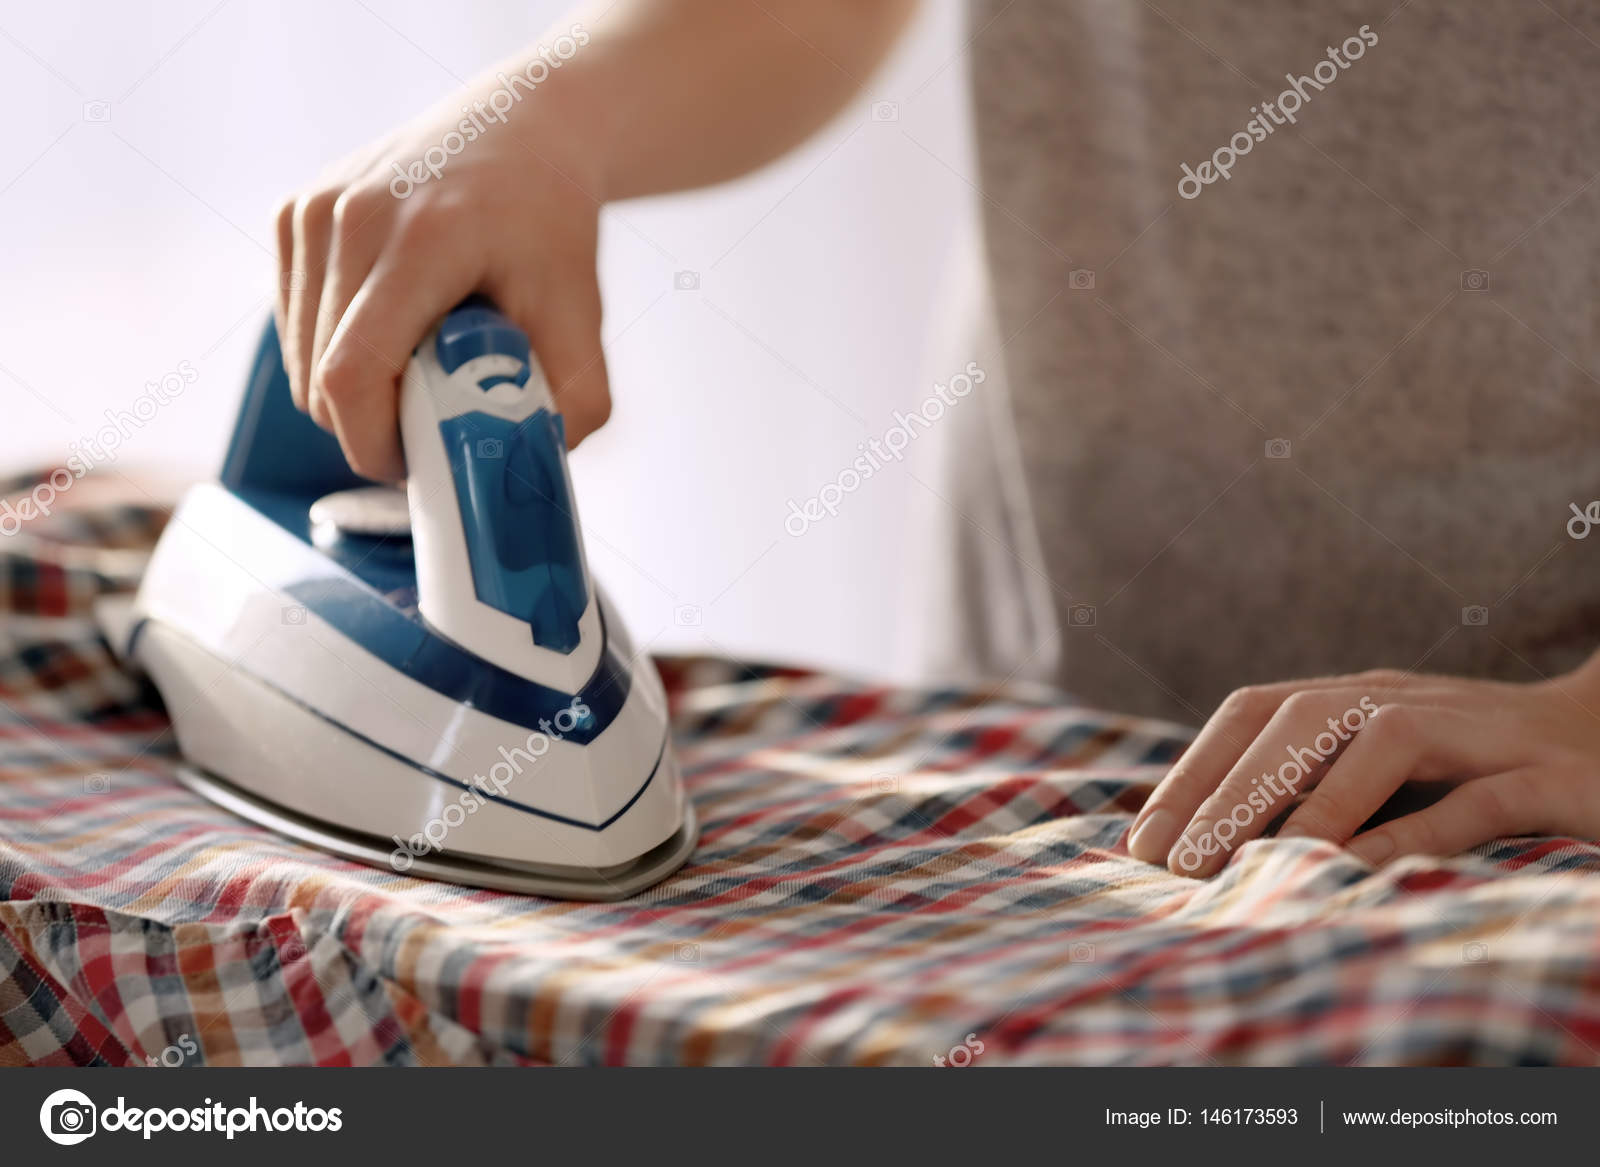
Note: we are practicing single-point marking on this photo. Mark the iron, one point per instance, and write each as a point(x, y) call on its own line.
point(427, 681)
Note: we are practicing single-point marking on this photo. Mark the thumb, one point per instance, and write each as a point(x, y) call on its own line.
point(563, 326)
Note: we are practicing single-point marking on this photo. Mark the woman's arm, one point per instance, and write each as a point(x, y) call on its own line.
point(498, 190)
point(685, 93)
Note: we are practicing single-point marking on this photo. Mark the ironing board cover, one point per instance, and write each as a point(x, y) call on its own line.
point(885, 876)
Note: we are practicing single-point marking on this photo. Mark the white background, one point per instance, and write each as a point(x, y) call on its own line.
point(144, 240)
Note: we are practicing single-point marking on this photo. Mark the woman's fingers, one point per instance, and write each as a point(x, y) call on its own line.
point(313, 225)
point(286, 274)
point(1512, 803)
point(368, 279)
point(356, 236)
point(410, 286)
point(1551, 797)
point(1291, 754)
point(1252, 726)
point(563, 327)
point(1225, 737)
point(1229, 732)
point(1399, 743)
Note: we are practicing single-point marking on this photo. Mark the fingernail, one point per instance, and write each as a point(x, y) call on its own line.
point(1373, 848)
point(1150, 834)
point(1187, 857)
point(1292, 831)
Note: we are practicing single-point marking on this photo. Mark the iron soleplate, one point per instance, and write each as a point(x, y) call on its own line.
point(566, 883)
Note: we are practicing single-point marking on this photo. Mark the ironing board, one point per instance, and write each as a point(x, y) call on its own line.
point(885, 876)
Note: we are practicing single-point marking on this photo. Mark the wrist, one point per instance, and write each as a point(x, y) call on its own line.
point(549, 103)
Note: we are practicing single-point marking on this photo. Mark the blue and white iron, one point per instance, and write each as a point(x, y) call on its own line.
point(429, 681)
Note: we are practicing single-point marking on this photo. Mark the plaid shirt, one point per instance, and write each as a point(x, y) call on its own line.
point(885, 876)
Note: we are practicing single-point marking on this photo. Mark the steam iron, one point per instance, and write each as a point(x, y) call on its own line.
point(427, 681)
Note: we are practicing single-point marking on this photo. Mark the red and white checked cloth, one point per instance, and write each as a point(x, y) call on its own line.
point(882, 873)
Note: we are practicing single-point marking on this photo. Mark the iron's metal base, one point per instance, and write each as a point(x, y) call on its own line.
point(565, 883)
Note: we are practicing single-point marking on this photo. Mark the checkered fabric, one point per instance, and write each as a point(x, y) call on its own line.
point(885, 876)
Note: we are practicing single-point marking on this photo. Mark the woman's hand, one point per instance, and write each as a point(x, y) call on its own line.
point(492, 193)
point(499, 191)
point(1522, 759)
